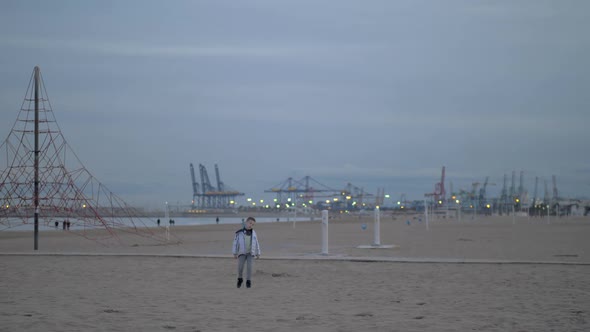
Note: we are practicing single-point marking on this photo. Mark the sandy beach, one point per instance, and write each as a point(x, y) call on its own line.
point(481, 274)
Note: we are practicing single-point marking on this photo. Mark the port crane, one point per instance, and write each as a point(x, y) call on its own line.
point(439, 193)
point(208, 196)
point(301, 191)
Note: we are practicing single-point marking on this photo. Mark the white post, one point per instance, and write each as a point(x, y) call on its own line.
point(324, 232)
point(513, 216)
point(377, 236)
point(167, 220)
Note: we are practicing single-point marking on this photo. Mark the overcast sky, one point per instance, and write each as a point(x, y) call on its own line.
point(375, 93)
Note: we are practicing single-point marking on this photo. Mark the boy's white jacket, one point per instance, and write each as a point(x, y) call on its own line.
point(239, 246)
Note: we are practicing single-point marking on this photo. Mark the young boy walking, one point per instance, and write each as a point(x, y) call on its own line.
point(244, 248)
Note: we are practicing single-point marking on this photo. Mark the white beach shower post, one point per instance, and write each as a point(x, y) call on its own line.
point(324, 232)
point(377, 226)
point(376, 234)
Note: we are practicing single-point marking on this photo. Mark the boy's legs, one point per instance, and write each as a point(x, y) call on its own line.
point(249, 267)
point(241, 261)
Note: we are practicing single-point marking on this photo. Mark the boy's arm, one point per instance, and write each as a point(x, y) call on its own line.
point(257, 248)
point(235, 245)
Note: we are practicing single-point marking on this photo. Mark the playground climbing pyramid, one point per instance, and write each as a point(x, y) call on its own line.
point(39, 172)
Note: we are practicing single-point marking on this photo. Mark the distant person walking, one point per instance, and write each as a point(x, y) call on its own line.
point(217, 220)
point(246, 246)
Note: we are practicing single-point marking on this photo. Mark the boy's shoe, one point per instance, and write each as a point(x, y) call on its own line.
point(240, 280)
point(248, 284)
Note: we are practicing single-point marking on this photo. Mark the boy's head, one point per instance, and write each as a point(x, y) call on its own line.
point(250, 222)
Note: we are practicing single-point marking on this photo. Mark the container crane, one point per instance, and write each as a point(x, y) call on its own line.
point(298, 192)
point(547, 199)
point(210, 197)
point(403, 203)
point(533, 210)
point(356, 195)
point(555, 198)
point(555, 192)
point(482, 192)
point(523, 195)
point(474, 197)
point(439, 193)
point(503, 204)
point(535, 197)
point(220, 185)
point(483, 200)
point(512, 187)
point(195, 186)
point(206, 187)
